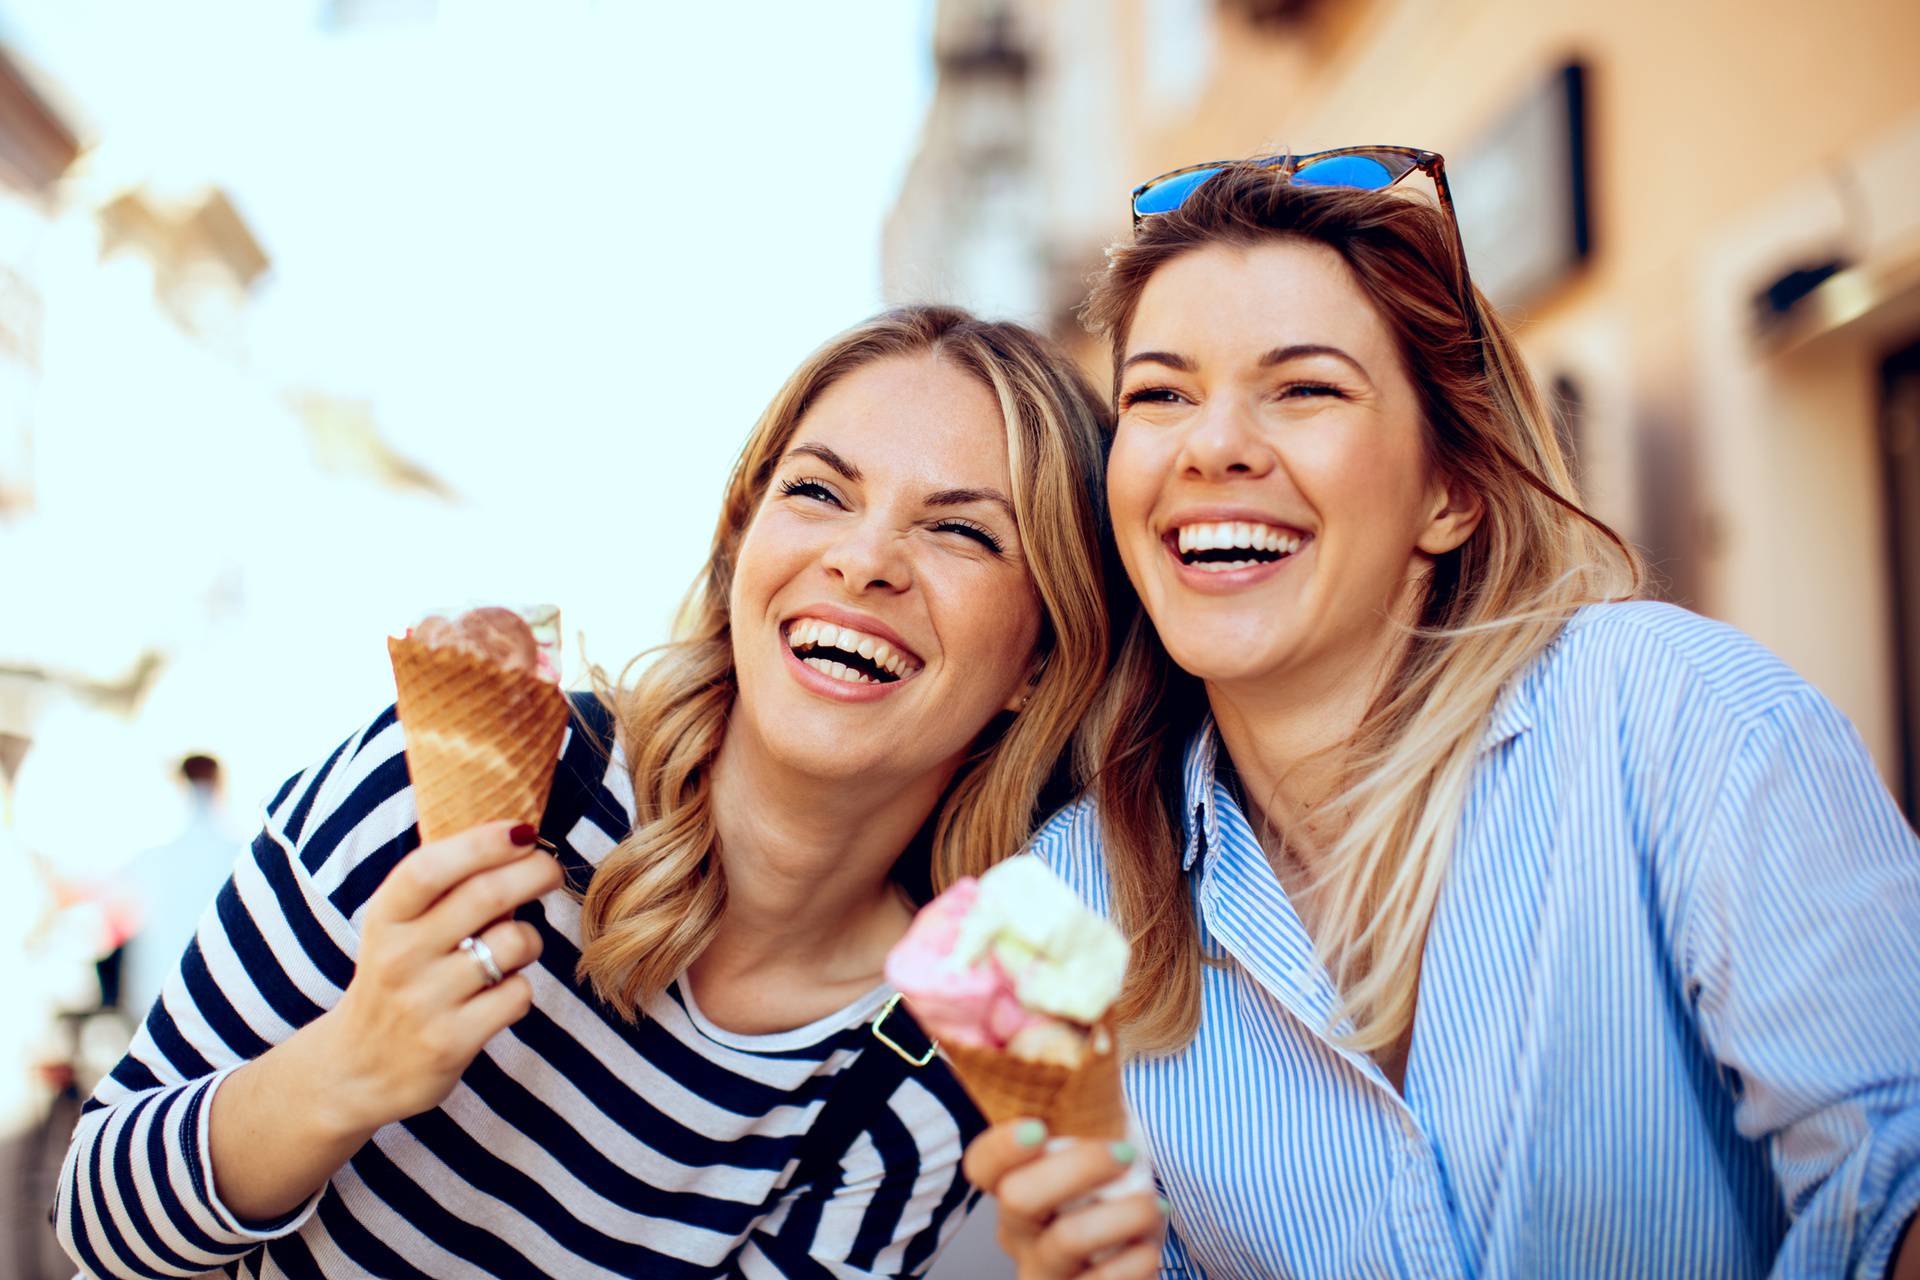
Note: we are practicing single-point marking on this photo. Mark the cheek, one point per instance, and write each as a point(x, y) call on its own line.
point(1376, 488)
point(1135, 473)
point(988, 624)
point(770, 552)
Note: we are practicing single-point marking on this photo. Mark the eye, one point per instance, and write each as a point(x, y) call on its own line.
point(803, 488)
point(1150, 395)
point(968, 529)
point(1309, 390)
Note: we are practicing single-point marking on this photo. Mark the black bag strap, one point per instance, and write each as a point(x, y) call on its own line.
point(578, 774)
point(893, 1048)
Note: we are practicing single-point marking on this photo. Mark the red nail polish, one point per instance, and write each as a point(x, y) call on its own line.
point(524, 834)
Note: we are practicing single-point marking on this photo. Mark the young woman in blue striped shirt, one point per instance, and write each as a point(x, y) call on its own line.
point(1485, 924)
point(898, 627)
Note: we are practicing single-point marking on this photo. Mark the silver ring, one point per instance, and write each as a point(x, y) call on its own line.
point(483, 956)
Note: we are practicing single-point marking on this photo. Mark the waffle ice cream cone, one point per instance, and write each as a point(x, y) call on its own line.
point(1016, 979)
point(482, 738)
point(1074, 1102)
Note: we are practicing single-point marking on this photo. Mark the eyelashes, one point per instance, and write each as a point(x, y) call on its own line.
point(1147, 395)
point(808, 489)
point(966, 528)
point(1299, 390)
point(815, 491)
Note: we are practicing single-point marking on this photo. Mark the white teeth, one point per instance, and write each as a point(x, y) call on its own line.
point(811, 633)
point(1233, 535)
point(839, 671)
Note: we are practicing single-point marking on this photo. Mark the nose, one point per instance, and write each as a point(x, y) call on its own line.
point(869, 556)
point(1225, 443)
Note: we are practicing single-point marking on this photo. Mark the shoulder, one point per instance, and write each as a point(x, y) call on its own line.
point(355, 799)
point(1649, 655)
point(350, 816)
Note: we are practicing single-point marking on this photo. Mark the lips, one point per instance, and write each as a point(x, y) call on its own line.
point(846, 655)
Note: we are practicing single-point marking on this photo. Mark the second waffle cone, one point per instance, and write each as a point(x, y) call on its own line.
point(1074, 1102)
point(481, 740)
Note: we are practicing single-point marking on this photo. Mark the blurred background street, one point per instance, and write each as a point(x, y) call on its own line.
point(317, 315)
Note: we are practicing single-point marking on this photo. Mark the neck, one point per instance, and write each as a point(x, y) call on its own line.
point(1288, 734)
point(806, 861)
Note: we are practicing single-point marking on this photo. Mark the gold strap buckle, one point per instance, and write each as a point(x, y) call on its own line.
point(880, 1034)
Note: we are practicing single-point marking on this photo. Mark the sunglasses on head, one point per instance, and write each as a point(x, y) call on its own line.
point(1361, 168)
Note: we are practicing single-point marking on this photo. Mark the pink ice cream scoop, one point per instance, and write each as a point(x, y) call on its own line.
point(971, 1004)
point(951, 1001)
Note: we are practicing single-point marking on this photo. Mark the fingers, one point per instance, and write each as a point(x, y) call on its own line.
point(1002, 1148)
point(1092, 1231)
point(1037, 1189)
point(1135, 1262)
point(514, 944)
point(420, 879)
point(492, 1011)
point(486, 896)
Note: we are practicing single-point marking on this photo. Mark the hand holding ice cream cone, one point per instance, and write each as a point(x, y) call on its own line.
point(1016, 980)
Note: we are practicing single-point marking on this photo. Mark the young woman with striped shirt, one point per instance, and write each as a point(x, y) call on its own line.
point(1485, 923)
point(899, 625)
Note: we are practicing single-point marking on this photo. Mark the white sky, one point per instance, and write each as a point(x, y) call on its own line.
point(582, 245)
point(568, 248)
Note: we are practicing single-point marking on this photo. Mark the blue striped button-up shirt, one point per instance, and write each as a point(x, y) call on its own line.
point(1669, 1012)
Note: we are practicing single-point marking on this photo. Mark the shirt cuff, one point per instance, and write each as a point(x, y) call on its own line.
point(197, 1135)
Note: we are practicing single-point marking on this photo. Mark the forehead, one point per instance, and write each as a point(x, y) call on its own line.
point(1234, 301)
point(913, 419)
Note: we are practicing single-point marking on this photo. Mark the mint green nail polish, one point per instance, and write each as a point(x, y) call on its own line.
point(1030, 1133)
point(1166, 1206)
point(1123, 1152)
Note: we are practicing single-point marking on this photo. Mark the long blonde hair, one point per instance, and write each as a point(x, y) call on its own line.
point(655, 901)
point(1489, 608)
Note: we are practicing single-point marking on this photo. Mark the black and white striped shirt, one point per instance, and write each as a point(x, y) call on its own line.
point(576, 1144)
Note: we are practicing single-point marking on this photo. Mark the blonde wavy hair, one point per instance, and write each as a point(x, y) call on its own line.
point(655, 902)
point(1488, 609)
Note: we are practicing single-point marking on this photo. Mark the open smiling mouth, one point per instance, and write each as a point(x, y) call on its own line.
point(842, 653)
point(1222, 548)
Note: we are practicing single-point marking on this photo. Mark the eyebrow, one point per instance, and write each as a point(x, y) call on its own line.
point(961, 497)
point(828, 456)
point(1280, 355)
point(1172, 360)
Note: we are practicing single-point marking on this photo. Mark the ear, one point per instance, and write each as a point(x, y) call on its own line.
point(1017, 700)
point(1453, 513)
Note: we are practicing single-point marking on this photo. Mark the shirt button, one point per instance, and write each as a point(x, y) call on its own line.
point(1408, 1127)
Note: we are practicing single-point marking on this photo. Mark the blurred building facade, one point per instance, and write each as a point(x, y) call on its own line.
point(1704, 222)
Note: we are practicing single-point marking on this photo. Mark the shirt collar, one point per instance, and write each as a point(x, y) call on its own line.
point(1512, 716)
point(1200, 813)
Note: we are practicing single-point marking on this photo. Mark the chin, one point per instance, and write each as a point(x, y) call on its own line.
point(1217, 664)
point(1220, 653)
point(810, 745)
